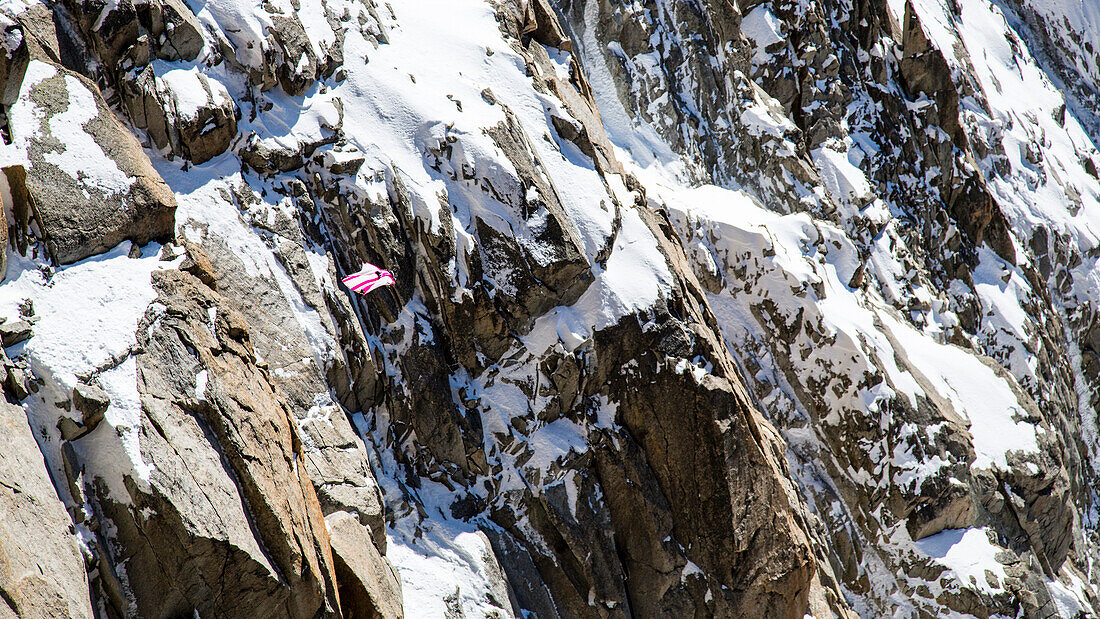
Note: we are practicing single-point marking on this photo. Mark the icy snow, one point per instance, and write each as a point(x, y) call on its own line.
point(857, 325)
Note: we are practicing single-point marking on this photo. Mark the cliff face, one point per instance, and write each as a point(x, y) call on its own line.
point(702, 308)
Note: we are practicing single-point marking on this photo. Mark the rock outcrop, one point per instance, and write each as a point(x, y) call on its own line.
point(88, 183)
point(225, 442)
point(369, 586)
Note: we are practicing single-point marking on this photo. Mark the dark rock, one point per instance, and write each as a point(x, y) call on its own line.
point(16, 383)
point(297, 68)
point(70, 429)
point(132, 33)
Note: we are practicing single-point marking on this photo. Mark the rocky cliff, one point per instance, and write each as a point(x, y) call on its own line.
point(703, 308)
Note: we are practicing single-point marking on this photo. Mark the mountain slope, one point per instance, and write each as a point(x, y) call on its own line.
point(702, 308)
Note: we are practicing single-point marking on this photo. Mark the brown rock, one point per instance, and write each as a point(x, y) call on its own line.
point(92, 402)
point(230, 477)
point(197, 264)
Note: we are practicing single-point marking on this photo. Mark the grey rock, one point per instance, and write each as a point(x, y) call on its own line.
point(92, 402)
point(369, 586)
point(83, 212)
point(197, 134)
point(335, 456)
point(41, 567)
point(12, 333)
point(129, 33)
point(297, 65)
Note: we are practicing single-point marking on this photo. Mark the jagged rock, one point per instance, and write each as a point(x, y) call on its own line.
point(230, 475)
point(926, 70)
point(83, 209)
point(16, 383)
point(369, 586)
point(21, 205)
point(616, 439)
point(12, 333)
point(541, 24)
point(183, 110)
point(296, 67)
point(41, 567)
point(92, 402)
point(335, 457)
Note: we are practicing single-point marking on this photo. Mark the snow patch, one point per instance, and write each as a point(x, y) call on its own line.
point(969, 554)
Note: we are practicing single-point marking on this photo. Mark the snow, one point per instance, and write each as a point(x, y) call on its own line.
point(404, 103)
point(864, 334)
point(975, 390)
point(200, 384)
point(842, 178)
point(189, 92)
point(640, 140)
point(446, 566)
point(106, 296)
point(451, 557)
point(761, 27)
point(636, 275)
point(241, 23)
point(1070, 595)
point(968, 553)
point(186, 89)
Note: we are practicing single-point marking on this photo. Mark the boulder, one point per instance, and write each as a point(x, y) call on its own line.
point(89, 184)
point(16, 383)
point(184, 111)
point(297, 68)
point(12, 333)
point(41, 568)
point(92, 402)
